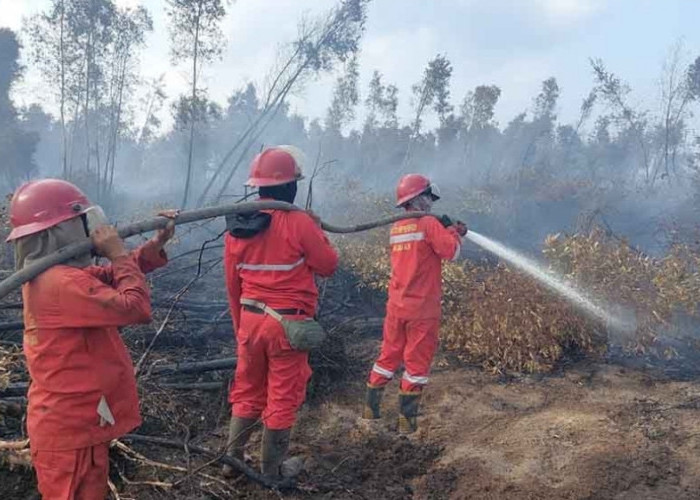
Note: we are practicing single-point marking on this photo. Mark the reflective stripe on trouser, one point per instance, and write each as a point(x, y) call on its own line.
point(271, 377)
point(409, 342)
point(80, 474)
point(414, 379)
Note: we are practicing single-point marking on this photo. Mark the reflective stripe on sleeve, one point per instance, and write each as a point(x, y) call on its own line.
point(415, 380)
point(381, 371)
point(271, 267)
point(403, 238)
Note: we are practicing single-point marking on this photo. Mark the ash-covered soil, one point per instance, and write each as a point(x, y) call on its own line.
point(594, 430)
point(598, 431)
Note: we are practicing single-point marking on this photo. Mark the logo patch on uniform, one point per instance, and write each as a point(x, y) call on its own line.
point(105, 413)
point(408, 228)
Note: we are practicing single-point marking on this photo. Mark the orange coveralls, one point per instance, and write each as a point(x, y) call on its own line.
point(77, 363)
point(276, 267)
point(412, 322)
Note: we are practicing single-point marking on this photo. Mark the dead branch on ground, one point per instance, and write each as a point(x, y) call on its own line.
point(222, 458)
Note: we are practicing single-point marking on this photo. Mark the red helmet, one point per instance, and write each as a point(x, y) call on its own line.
point(276, 166)
point(413, 185)
point(39, 205)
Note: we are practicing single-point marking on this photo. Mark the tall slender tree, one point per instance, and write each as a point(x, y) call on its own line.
point(16, 145)
point(196, 36)
point(432, 90)
point(345, 98)
point(87, 51)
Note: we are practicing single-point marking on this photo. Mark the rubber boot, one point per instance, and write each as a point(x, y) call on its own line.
point(373, 402)
point(274, 448)
point(239, 431)
point(408, 412)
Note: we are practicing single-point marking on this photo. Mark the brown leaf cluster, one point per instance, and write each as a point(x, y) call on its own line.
point(507, 322)
point(656, 290)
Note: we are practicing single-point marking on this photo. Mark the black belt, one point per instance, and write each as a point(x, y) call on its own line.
point(283, 312)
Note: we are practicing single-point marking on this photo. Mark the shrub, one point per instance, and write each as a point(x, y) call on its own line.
point(506, 321)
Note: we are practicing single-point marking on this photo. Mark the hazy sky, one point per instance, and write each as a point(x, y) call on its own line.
point(514, 44)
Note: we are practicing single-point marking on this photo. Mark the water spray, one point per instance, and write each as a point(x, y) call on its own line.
point(556, 284)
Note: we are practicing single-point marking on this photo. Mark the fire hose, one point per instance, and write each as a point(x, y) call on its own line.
point(69, 252)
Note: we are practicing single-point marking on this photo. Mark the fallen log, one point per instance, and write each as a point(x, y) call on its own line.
point(11, 305)
point(193, 304)
point(182, 304)
point(12, 326)
point(20, 388)
point(71, 251)
point(223, 458)
point(20, 400)
point(359, 323)
point(15, 389)
point(197, 386)
point(194, 367)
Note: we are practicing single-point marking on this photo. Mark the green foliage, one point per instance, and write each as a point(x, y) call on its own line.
point(345, 97)
point(194, 29)
point(17, 146)
point(382, 101)
point(433, 90)
point(337, 37)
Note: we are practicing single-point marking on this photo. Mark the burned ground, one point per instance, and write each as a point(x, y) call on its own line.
point(592, 429)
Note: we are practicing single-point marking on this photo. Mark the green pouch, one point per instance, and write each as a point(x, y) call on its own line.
point(302, 334)
point(305, 334)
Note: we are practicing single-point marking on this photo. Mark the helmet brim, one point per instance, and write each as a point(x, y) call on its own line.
point(432, 189)
point(37, 227)
point(269, 182)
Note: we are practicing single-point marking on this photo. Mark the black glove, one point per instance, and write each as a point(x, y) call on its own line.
point(446, 221)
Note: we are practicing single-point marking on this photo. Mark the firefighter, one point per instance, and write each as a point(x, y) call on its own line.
point(83, 391)
point(418, 247)
point(270, 259)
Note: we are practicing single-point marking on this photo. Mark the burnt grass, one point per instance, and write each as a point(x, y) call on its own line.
point(342, 458)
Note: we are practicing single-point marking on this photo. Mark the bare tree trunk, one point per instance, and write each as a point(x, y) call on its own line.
point(271, 105)
point(117, 125)
point(416, 127)
point(73, 134)
point(86, 111)
point(113, 84)
point(270, 116)
point(274, 100)
point(64, 138)
point(192, 107)
point(149, 114)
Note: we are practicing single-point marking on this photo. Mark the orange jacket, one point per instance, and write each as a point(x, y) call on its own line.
point(277, 266)
point(418, 247)
point(74, 352)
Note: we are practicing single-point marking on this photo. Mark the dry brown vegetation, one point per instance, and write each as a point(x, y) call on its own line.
point(507, 322)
